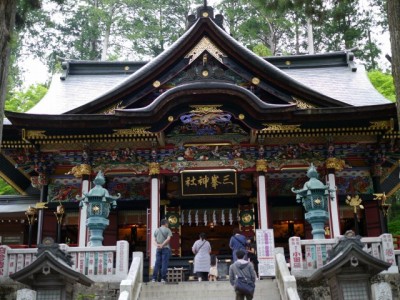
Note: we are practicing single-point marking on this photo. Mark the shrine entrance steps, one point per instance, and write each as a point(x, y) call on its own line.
point(194, 290)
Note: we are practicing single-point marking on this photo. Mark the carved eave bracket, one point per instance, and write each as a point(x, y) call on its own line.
point(80, 170)
point(335, 163)
point(261, 165)
point(301, 104)
point(154, 168)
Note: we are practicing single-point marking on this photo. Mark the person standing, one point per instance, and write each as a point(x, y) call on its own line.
point(201, 250)
point(252, 254)
point(213, 274)
point(162, 237)
point(244, 269)
point(237, 242)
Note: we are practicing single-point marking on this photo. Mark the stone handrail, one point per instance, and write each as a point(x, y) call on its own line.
point(101, 264)
point(131, 286)
point(312, 254)
point(286, 282)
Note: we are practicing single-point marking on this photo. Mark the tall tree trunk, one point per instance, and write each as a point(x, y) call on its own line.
point(310, 36)
point(7, 22)
point(393, 11)
point(105, 43)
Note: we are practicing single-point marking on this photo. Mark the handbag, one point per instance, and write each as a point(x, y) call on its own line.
point(244, 286)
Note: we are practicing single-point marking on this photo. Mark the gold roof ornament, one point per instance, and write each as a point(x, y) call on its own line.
point(255, 81)
point(302, 104)
point(280, 127)
point(205, 44)
point(261, 165)
point(335, 163)
point(41, 205)
point(33, 134)
point(382, 205)
point(381, 125)
point(80, 170)
point(30, 214)
point(205, 109)
point(111, 109)
point(133, 131)
point(154, 168)
point(354, 202)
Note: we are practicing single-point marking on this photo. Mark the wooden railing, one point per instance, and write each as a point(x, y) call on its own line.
point(106, 263)
point(312, 254)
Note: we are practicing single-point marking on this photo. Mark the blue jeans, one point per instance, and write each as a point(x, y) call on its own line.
point(162, 259)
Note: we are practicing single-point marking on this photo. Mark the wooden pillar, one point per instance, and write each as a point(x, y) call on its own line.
point(154, 171)
point(261, 167)
point(40, 182)
point(376, 172)
point(82, 171)
point(333, 165)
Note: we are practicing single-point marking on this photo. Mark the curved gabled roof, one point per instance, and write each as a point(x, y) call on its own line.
point(342, 84)
point(173, 60)
point(201, 87)
point(56, 266)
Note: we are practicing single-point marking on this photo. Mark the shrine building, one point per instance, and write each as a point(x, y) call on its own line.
point(208, 135)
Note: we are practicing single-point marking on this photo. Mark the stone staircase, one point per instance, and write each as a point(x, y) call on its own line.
point(193, 290)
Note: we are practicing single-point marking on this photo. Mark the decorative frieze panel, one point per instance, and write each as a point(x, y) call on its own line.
point(64, 192)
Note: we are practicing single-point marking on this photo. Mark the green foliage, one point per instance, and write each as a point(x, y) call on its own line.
point(262, 50)
point(383, 83)
point(394, 227)
point(21, 101)
point(6, 189)
point(394, 214)
point(85, 296)
point(139, 29)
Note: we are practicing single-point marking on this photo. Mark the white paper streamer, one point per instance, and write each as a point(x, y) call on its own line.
point(223, 217)
point(196, 218)
point(205, 217)
point(190, 217)
point(230, 217)
point(214, 218)
point(182, 217)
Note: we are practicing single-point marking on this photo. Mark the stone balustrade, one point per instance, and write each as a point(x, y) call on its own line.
point(101, 264)
point(313, 254)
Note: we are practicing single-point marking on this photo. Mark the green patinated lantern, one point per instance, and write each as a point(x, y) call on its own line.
point(99, 203)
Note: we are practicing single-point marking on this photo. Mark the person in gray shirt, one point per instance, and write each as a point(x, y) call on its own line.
point(162, 237)
point(242, 268)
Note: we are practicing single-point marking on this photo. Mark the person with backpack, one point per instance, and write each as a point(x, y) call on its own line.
point(237, 242)
point(242, 277)
point(162, 237)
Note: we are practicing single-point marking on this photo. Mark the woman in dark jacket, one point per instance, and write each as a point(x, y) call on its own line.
point(237, 242)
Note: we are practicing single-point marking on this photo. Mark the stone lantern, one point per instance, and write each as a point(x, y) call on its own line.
point(99, 203)
point(314, 196)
